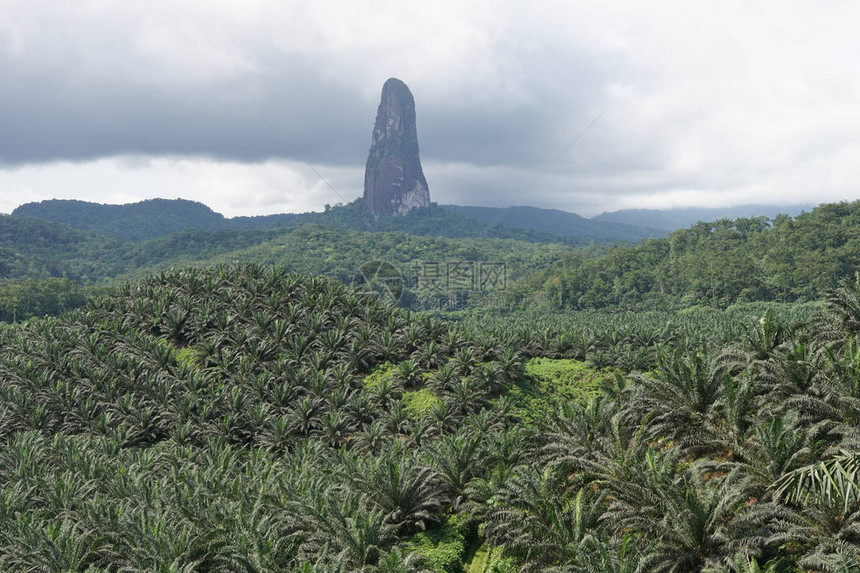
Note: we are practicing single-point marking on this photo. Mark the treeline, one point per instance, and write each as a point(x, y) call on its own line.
point(157, 218)
point(138, 222)
point(32, 251)
point(26, 298)
point(339, 254)
point(38, 248)
point(431, 221)
point(715, 263)
point(35, 249)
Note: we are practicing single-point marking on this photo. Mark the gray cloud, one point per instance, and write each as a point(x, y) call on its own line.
point(84, 86)
point(736, 104)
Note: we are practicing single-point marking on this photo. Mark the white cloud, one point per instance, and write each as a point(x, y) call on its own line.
point(230, 188)
point(710, 103)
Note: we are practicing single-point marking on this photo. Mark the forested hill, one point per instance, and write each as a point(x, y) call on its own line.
point(715, 263)
point(156, 218)
point(161, 217)
point(135, 222)
point(44, 265)
point(37, 249)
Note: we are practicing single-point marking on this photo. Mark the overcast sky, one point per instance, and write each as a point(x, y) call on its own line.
point(704, 103)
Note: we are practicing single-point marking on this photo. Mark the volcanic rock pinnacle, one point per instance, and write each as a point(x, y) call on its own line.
point(394, 183)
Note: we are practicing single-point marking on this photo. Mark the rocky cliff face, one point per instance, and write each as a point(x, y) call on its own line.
point(394, 182)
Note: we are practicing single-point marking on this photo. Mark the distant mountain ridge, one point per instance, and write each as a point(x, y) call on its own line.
point(668, 220)
point(132, 222)
point(557, 222)
point(45, 264)
point(155, 218)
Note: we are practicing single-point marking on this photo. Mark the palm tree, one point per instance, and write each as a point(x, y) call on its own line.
point(833, 556)
point(442, 379)
point(789, 377)
point(743, 563)
point(61, 546)
point(343, 529)
point(464, 360)
point(372, 437)
point(409, 493)
point(691, 522)
point(833, 481)
point(532, 519)
point(397, 561)
point(458, 460)
point(464, 397)
point(839, 380)
point(778, 446)
point(735, 412)
point(585, 439)
point(843, 304)
point(305, 415)
point(682, 399)
point(408, 374)
point(334, 427)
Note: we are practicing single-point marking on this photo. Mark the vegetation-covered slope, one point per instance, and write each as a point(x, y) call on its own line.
point(33, 248)
point(136, 222)
point(715, 264)
point(245, 418)
point(221, 419)
point(338, 254)
point(560, 223)
point(712, 263)
point(40, 253)
point(161, 217)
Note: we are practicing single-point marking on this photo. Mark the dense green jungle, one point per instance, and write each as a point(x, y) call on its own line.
point(232, 400)
point(47, 267)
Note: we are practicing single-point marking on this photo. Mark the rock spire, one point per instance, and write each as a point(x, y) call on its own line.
point(394, 182)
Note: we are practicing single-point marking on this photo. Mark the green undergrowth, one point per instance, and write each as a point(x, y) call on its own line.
point(417, 403)
point(187, 356)
point(420, 402)
point(490, 560)
point(550, 380)
point(382, 375)
point(443, 547)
